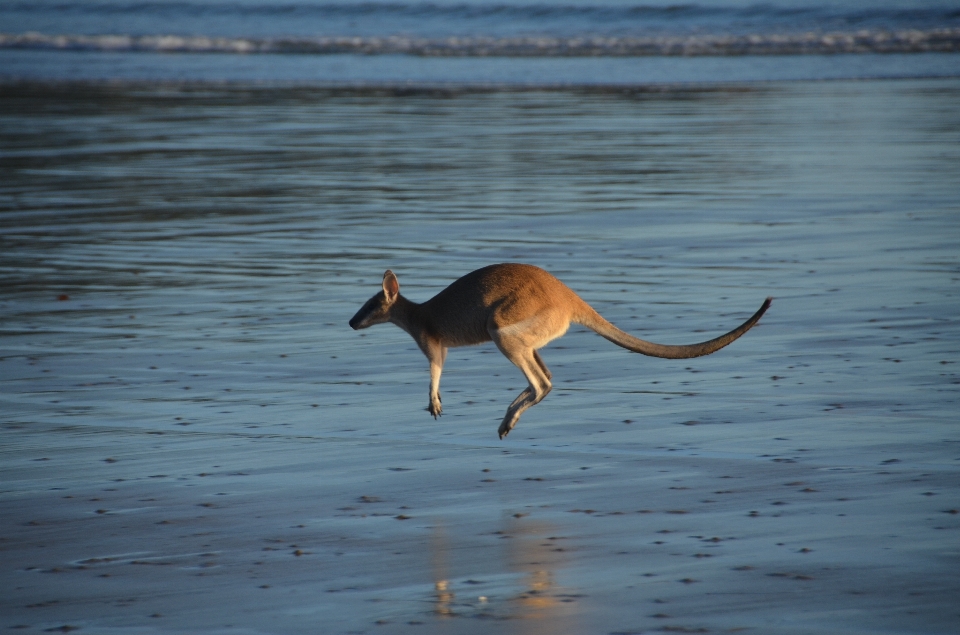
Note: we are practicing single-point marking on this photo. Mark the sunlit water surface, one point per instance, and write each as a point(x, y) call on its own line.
point(179, 265)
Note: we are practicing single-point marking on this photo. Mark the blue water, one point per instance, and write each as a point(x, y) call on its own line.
point(579, 42)
point(195, 196)
point(266, 18)
point(189, 425)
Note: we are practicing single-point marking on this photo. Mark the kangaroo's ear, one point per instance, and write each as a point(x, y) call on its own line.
point(391, 287)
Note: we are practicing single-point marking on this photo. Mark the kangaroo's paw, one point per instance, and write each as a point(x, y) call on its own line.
point(435, 408)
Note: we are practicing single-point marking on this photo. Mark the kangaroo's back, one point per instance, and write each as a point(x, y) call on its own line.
point(494, 297)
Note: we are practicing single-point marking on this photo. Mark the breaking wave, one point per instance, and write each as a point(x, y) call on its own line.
point(861, 41)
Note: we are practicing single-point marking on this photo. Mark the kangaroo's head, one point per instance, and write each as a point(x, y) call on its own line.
point(376, 310)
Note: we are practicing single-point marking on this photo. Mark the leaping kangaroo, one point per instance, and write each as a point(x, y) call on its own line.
point(521, 308)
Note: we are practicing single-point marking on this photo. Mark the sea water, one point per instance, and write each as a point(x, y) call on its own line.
point(488, 41)
point(196, 197)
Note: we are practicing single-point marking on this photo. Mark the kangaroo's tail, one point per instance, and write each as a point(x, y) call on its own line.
point(593, 320)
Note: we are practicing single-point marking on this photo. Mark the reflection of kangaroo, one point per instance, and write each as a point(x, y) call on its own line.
point(520, 308)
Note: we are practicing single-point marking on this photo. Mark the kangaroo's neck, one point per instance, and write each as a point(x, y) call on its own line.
point(410, 317)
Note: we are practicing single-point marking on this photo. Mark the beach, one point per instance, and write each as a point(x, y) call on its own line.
point(194, 440)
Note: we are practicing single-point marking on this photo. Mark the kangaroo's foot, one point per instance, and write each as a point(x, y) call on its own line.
point(525, 400)
point(508, 423)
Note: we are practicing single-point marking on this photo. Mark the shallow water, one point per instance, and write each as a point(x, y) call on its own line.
point(185, 409)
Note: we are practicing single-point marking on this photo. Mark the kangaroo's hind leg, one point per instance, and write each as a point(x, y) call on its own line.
point(543, 367)
point(546, 371)
point(529, 362)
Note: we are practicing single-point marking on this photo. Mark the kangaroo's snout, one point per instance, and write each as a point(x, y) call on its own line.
point(356, 322)
point(377, 309)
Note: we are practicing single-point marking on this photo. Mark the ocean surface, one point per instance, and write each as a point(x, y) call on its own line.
point(195, 197)
point(487, 41)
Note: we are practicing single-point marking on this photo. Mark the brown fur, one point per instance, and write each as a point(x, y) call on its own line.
point(520, 308)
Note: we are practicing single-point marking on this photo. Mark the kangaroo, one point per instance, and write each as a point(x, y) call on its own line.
point(520, 308)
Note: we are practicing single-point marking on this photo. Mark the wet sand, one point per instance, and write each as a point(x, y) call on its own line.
point(193, 440)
